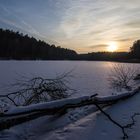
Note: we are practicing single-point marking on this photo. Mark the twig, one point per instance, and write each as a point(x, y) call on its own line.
point(39, 89)
point(133, 121)
point(123, 127)
point(125, 136)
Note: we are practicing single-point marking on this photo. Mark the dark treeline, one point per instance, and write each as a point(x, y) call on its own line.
point(15, 45)
point(114, 56)
point(135, 50)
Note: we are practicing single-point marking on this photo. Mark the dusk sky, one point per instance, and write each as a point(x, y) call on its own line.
point(82, 25)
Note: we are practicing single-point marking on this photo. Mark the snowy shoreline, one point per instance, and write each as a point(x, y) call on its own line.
point(97, 126)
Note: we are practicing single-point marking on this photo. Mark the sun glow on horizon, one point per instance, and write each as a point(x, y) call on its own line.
point(112, 47)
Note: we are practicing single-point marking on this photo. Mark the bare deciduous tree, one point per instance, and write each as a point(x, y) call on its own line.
point(122, 76)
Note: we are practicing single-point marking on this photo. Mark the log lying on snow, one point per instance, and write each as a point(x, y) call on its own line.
point(18, 115)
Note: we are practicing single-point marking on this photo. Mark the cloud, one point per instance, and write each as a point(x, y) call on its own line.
point(98, 46)
point(124, 39)
point(133, 24)
point(11, 18)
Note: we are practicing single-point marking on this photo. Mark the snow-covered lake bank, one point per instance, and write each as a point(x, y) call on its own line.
point(89, 77)
point(81, 123)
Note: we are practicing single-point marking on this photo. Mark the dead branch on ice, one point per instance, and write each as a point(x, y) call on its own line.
point(125, 136)
point(123, 127)
point(19, 115)
point(39, 89)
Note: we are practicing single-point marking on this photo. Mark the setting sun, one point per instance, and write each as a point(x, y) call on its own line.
point(112, 47)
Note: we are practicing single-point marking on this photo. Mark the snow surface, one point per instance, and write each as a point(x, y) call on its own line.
point(78, 124)
point(89, 77)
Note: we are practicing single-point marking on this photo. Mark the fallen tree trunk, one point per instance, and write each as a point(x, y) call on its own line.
point(19, 115)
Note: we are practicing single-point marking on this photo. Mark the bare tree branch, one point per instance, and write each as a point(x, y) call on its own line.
point(122, 127)
point(38, 89)
point(122, 76)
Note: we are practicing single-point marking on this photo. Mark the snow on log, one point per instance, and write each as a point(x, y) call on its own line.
point(48, 105)
point(68, 103)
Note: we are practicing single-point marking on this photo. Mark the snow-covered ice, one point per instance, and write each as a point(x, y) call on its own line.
point(78, 124)
point(89, 77)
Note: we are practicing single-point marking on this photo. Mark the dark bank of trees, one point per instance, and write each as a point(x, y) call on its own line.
point(135, 50)
point(105, 56)
point(15, 45)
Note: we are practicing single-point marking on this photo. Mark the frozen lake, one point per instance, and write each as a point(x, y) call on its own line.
point(89, 76)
